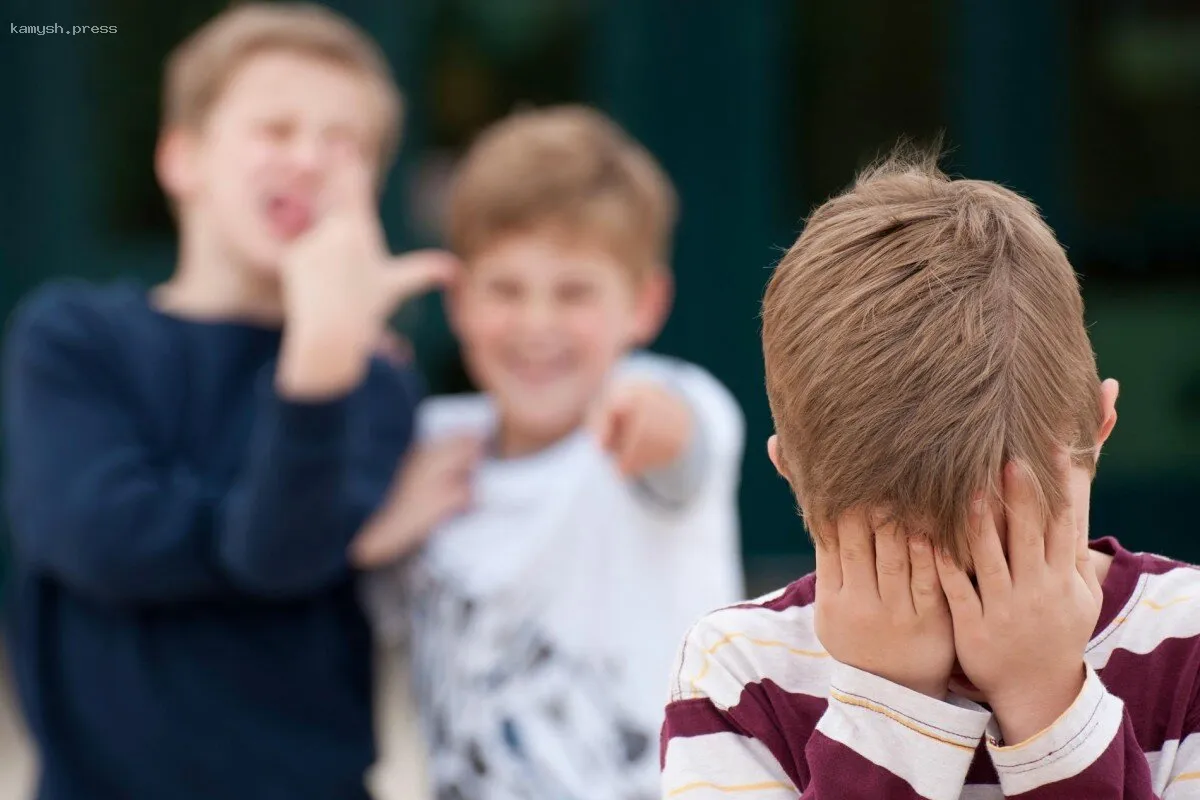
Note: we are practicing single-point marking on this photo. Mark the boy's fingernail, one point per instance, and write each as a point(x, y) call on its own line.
point(919, 545)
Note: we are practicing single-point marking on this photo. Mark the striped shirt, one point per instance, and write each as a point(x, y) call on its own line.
point(758, 710)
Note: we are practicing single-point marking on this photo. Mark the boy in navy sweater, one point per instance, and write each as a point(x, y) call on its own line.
point(187, 467)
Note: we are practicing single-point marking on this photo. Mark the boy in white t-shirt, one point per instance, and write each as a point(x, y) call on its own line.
point(582, 510)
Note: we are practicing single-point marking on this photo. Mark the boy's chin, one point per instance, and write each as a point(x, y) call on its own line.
point(543, 428)
point(264, 260)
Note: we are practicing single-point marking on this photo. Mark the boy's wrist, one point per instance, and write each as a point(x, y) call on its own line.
point(936, 690)
point(321, 363)
point(1027, 710)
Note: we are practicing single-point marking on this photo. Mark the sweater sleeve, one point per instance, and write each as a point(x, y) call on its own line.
point(1090, 752)
point(93, 505)
point(873, 739)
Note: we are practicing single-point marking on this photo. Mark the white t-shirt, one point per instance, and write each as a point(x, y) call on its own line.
point(544, 622)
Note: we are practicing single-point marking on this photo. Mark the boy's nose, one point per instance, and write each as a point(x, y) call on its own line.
point(539, 316)
point(309, 154)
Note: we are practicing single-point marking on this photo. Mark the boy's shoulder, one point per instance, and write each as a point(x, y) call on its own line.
point(74, 306)
point(769, 640)
point(78, 321)
point(1151, 610)
point(446, 415)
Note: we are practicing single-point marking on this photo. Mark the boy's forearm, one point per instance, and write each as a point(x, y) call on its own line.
point(287, 521)
point(874, 740)
point(879, 739)
point(1090, 752)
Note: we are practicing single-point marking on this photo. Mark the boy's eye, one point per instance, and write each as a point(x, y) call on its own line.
point(343, 137)
point(276, 130)
point(504, 290)
point(575, 292)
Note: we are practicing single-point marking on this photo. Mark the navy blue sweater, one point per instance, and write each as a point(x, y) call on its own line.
point(184, 622)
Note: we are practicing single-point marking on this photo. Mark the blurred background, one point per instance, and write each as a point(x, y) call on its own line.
point(758, 110)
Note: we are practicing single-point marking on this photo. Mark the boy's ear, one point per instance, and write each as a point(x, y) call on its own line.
point(175, 163)
point(777, 459)
point(773, 454)
point(654, 300)
point(1109, 390)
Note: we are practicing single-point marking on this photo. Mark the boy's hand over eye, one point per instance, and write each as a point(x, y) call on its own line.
point(1021, 636)
point(879, 606)
point(642, 425)
point(340, 285)
point(433, 485)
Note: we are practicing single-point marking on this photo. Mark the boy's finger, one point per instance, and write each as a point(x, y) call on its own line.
point(856, 550)
point(926, 589)
point(454, 500)
point(602, 424)
point(991, 568)
point(413, 274)
point(371, 547)
point(891, 564)
point(607, 422)
point(628, 451)
point(1062, 536)
point(1026, 528)
point(350, 187)
point(960, 594)
point(829, 565)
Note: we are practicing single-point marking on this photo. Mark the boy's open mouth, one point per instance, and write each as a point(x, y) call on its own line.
point(289, 215)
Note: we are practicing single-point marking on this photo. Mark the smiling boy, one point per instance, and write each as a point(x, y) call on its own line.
point(582, 508)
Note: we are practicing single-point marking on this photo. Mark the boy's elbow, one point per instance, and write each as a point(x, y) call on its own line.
point(85, 563)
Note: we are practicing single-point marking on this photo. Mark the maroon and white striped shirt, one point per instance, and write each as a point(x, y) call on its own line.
point(759, 710)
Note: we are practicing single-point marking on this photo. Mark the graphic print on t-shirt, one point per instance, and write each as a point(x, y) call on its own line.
point(510, 714)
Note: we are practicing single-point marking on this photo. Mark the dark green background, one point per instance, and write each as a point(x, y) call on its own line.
point(758, 109)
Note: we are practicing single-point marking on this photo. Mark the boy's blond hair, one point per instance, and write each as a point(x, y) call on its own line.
point(570, 171)
point(200, 68)
point(918, 335)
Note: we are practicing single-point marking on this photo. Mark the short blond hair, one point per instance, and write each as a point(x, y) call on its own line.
point(568, 169)
point(918, 335)
point(201, 67)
